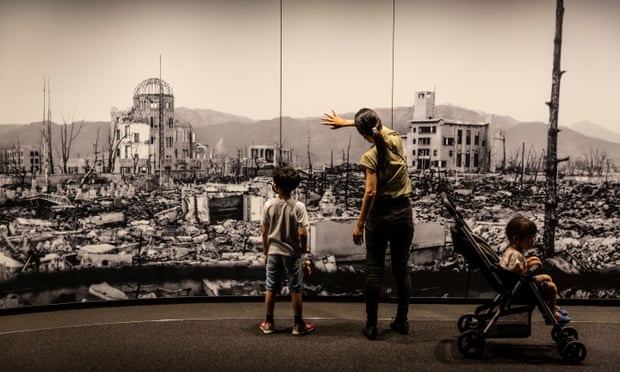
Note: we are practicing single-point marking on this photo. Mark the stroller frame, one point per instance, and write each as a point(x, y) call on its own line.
point(516, 294)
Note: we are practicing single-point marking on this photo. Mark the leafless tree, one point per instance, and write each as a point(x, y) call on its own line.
point(114, 142)
point(595, 162)
point(551, 166)
point(96, 148)
point(67, 136)
point(309, 155)
point(609, 166)
point(534, 162)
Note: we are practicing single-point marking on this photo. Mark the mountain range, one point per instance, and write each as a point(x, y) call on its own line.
point(229, 133)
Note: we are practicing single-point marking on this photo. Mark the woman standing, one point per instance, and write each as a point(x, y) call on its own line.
point(385, 216)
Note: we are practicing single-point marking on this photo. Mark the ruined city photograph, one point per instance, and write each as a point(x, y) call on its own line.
point(138, 141)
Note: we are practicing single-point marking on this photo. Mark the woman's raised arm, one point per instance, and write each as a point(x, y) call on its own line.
point(336, 121)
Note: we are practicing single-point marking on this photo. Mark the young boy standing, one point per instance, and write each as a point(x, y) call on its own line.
point(285, 239)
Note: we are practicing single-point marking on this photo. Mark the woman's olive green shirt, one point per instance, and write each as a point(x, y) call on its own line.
point(394, 181)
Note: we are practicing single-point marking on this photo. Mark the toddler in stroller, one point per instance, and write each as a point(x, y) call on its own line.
point(521, 234)
point(518, 294)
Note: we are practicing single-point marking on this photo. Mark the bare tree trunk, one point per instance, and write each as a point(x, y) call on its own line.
point(522, 163)
point(66, 140)
point(551, 171)
point(347, 177)
point(113, 145)
point(310, 157)
point(49, 131)
point(539, 162)
point(96, 148)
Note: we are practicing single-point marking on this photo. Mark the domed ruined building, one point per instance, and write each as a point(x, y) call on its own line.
point(147, 138)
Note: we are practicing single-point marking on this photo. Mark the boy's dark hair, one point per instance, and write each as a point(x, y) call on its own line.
point(287, 178)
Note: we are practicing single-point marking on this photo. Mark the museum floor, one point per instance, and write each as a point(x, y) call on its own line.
point(224, 336)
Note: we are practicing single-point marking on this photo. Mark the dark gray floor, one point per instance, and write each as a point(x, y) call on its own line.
point(225, 337)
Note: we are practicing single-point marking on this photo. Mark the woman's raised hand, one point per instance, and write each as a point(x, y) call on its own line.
point(335, 121)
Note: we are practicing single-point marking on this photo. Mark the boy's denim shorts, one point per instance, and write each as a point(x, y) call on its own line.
point(280, 267)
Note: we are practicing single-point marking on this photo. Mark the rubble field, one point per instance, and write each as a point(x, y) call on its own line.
point(113, 226)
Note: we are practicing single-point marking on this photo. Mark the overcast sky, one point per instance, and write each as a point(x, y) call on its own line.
point(488, 55)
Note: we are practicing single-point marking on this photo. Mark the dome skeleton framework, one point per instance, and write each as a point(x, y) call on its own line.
point(152, 86)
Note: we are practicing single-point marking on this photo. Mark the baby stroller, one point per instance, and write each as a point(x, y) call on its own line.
point(517, 296)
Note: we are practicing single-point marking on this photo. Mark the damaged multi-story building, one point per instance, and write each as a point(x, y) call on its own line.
point(435, 143)
point(147, 138)
point(18, 159)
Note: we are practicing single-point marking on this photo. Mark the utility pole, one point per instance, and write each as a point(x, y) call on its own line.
point(522, 162)
point(551, 166)
point(162, 151)
point(44, 143)
point(346, 183)
point(49, 129)
point(238, 164)
point(280, 117)
point(310, 156)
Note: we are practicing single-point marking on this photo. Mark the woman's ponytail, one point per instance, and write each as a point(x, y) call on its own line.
point(368, 123)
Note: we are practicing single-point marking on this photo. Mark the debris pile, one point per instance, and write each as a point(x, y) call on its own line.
point(127, 224)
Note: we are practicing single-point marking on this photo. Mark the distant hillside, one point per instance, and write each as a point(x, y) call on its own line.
point(570, 142)
point(30, 135)
point(470, 116)
point(7, 128)
point(590, 129)
point(295, 134)
point(205, 117)
point(232, 133)
point(323, 139)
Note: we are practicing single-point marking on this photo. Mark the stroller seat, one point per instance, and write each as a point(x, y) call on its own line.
point(509, 314)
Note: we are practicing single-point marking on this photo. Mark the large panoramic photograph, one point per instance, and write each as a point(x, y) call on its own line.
point(138, 141)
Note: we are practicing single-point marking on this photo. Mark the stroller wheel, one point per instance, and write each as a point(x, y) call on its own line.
point(471, 344)
point(467, 322)
point(573, 352)
point(559, 334)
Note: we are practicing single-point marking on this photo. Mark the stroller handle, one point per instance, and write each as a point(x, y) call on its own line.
point(447, 202)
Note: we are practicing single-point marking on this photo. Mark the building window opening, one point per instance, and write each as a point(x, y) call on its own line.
point(269, 155)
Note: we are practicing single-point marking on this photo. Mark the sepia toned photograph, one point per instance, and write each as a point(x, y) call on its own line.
point(138, 142)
